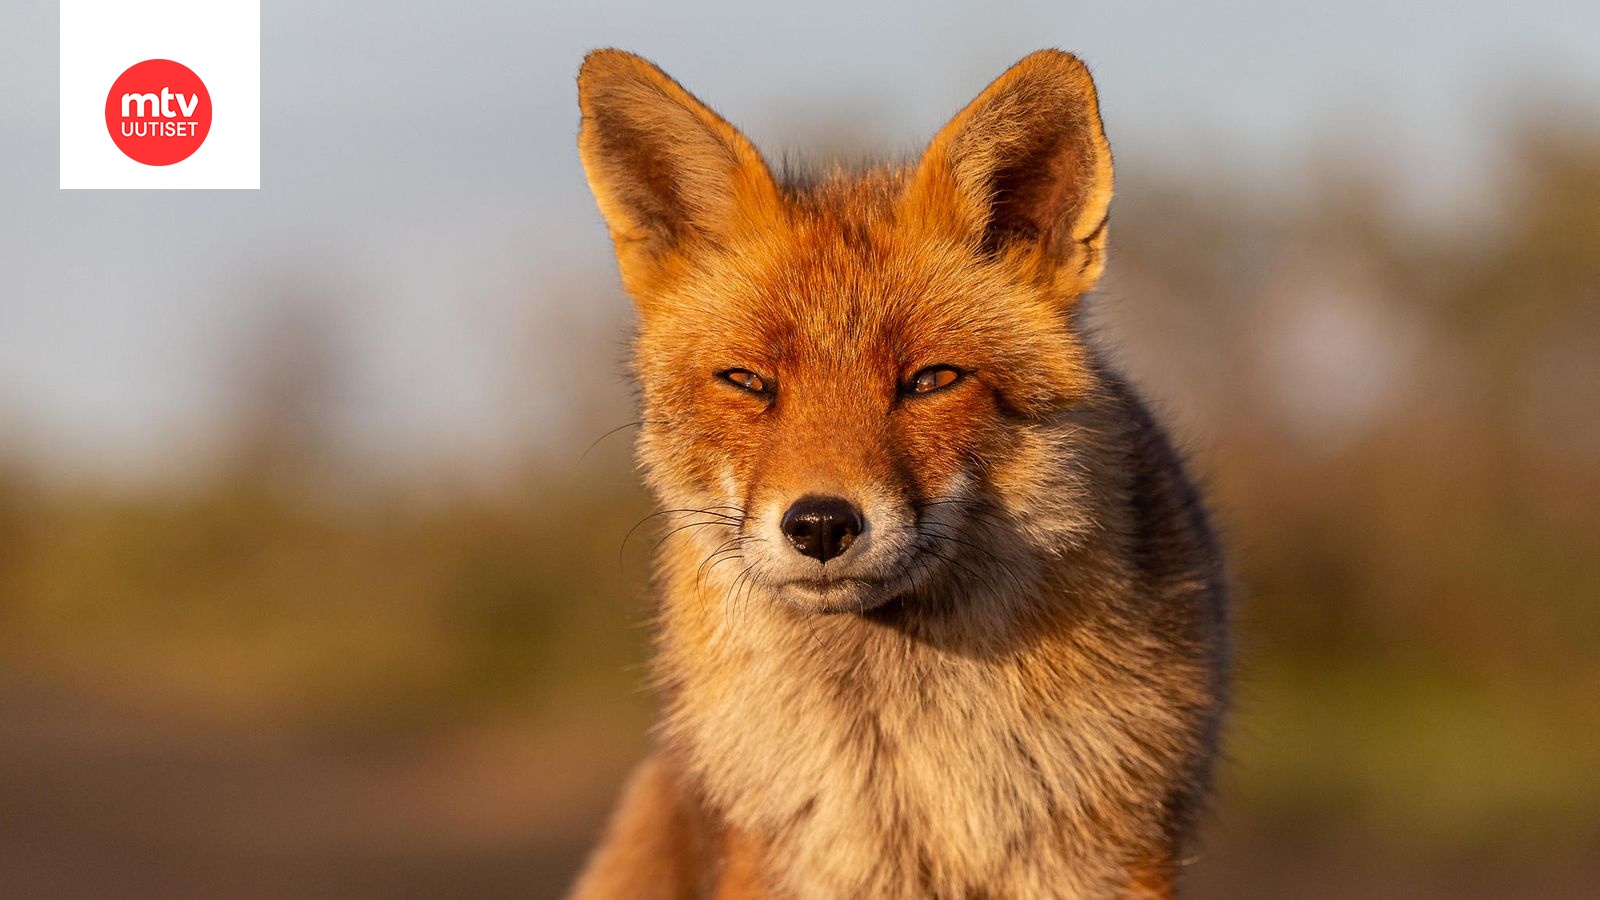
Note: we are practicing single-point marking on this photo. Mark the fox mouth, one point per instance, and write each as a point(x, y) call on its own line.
point(893, 549)
point(834, 595)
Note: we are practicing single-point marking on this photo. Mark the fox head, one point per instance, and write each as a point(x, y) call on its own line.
point(862, 385)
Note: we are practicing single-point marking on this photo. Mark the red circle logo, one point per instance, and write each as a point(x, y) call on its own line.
point(158, 112)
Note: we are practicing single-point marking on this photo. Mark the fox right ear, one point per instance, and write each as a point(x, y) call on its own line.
point(667, 173)
point(1025, 169)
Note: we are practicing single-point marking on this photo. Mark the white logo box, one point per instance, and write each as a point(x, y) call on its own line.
point(219, 39)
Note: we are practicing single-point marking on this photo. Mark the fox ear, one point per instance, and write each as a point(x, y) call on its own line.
point(1025, 168)
point(667, 173)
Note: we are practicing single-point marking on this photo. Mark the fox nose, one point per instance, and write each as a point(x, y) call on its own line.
point(822, 527)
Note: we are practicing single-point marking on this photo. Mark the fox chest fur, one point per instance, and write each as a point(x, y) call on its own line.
point(875, 762)
point(940, 614)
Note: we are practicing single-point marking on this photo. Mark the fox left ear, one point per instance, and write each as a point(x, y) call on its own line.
point(1025, 169)
point(670, 176)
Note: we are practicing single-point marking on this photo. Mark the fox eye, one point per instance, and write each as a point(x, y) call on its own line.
point(745, 380)
point(933, 378)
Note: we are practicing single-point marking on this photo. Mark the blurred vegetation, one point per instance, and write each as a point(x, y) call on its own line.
point(1418, 558)
point(268, 601)
point(1400, 424)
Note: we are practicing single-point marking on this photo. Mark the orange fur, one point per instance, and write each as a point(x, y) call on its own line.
point(1010, 683)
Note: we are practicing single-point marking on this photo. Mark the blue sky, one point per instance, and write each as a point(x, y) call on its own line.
point(418, 164)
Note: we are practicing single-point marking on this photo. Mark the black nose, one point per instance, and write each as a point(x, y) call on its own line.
point(822, 527)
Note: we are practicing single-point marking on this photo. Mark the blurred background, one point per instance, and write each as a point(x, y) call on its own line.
point(314, 577)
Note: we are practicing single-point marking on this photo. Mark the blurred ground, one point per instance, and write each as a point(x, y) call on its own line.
point(102, 801)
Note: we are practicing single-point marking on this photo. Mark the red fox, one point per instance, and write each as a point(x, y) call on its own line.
point(940, 614)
